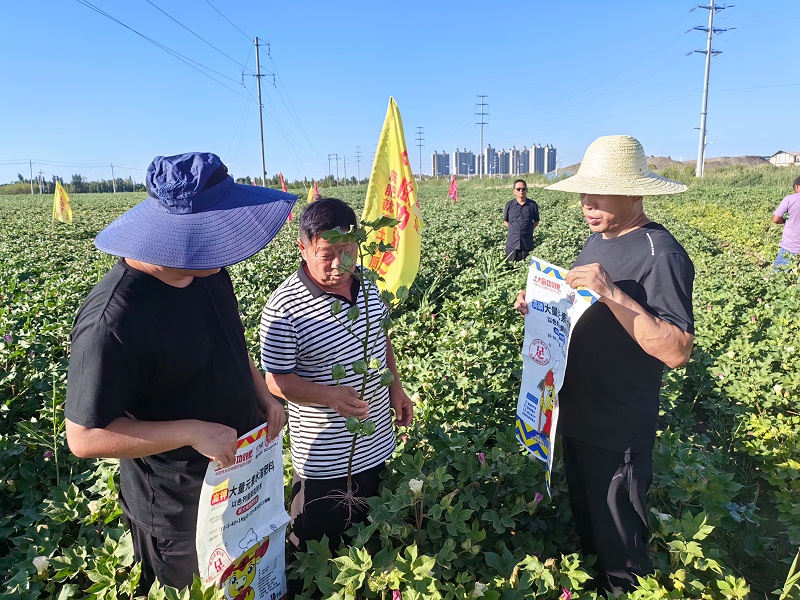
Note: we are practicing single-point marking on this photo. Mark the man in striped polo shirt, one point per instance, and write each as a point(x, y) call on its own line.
point(300, 342)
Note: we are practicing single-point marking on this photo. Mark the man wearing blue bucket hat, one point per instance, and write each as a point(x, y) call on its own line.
point(159, 372)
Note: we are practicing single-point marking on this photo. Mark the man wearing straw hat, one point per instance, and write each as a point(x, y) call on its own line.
point(159, 372)
point(642, 322)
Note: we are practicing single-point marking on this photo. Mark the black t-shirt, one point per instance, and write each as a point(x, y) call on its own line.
point(161, 353)
point(611, 388)
point(520, 219)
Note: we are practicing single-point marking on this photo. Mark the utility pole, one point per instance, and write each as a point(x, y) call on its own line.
point(337, 168)
point(40, 182)
point(344, 158)
point(701, 149)
point(420, 145)
point(260, 119)
point(31, 165)
point(481, 122)
point(358, 163)
point(329, 165)
point(113, 181)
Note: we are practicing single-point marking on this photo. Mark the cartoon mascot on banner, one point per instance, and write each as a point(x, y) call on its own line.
point(547, 404)
point(237, 579)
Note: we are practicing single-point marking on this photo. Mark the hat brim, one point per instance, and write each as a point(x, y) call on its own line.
point(243, 221)
point(651, 185)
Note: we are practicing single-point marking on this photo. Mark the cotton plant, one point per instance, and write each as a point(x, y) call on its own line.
point(367, 366)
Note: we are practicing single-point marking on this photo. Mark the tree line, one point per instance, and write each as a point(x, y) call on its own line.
point(80, 185)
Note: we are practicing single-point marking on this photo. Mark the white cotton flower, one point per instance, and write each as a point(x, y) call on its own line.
point(480, 590)
point(42, 564)
point(513, 329)
point(415, 397)
point(790, 349)
point(731, 354)
point(94, 506)
point(778, 388)
point(415, 485)
point(463, 333)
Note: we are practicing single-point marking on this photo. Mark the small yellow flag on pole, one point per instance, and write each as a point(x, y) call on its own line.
point(61, 208)
point(392, 192)
point(310, 198)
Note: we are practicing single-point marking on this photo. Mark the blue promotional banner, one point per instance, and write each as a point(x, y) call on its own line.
point(553, 310)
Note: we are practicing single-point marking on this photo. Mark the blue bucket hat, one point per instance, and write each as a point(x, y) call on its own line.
point(196, 217)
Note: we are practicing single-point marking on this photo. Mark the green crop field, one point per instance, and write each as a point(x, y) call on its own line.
point(725, 503)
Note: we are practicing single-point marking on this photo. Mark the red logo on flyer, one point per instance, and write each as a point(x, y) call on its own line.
point(539, 352)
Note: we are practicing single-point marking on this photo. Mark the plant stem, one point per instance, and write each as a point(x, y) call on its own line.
point(55, 434)
point(350, 465)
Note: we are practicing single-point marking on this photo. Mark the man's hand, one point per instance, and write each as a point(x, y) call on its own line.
point(274, 414)
point(521, 304)
point(216, 441)
point(270, 410)
point(593, 277)
point(345, 401)
point(403, 407)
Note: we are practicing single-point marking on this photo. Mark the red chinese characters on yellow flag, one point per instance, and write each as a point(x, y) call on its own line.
point(392, 192)
point(61, 208)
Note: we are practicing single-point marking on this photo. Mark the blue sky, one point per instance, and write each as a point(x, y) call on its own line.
point(84, 92)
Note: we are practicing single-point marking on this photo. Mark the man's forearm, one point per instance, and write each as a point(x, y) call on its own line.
point(391, 364)
point(660, 339)
point(128, 438)
point(293, 388)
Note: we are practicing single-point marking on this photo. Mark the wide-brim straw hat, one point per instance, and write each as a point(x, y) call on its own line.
point(615, 165)
point(196, 217)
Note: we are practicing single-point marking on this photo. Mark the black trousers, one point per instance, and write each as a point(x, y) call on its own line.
point(318, 509)
point(516, 255)
point(172, 562)
point(607, 493)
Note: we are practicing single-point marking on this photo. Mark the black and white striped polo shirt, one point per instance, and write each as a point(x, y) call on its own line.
point(299, 335)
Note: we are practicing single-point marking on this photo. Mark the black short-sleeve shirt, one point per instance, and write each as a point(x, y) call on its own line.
point(520, 219)
point(610, 396)
point(160, 353)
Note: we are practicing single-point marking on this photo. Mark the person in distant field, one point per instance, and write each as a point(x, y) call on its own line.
point(788, 212)
point(300, 342)
point(159, 372)
point(521, 216)
point(642, 322)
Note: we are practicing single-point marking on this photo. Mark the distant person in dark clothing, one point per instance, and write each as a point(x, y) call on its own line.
point(521, 217)
point(788, 212)
point(159, 372)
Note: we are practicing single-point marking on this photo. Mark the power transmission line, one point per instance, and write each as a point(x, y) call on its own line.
point(199, 37)
point(184, 59)
point(247, 37)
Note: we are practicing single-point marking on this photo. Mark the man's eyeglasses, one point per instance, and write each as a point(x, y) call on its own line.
point(520, 189)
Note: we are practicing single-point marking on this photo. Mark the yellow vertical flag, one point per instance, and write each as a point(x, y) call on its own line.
point(61, 208)
point(313, 192)
point(392, 192)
